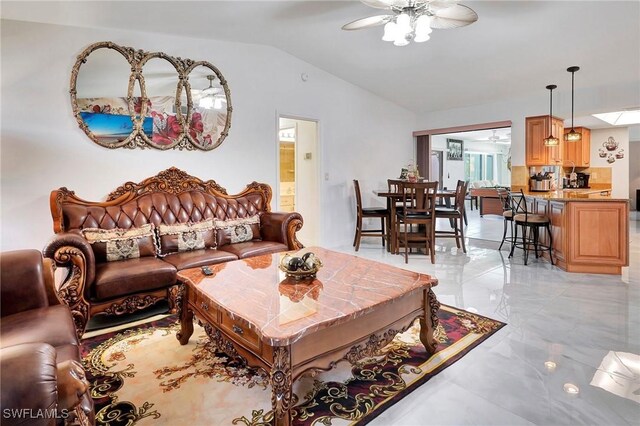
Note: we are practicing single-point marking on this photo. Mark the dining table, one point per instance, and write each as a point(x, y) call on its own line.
point(392, 198)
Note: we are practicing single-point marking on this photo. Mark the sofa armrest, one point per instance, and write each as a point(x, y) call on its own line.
point(22, 274)
point(29, 384)
point(74, 252)
point(281, 227)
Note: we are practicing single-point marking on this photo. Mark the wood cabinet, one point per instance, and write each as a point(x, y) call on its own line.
point(598, 237)
point(537, 129)
point(578, 152)
point(588, 236)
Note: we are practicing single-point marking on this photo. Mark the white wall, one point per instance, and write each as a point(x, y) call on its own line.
point(361, 135)
point(620, 168)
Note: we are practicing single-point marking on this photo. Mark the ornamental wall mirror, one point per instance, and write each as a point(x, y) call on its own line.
point(122, 97)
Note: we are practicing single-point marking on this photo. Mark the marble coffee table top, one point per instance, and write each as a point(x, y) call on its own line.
point(282, 310)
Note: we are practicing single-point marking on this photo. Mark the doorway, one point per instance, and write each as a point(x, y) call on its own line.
point(435, 173)
point(298, 184)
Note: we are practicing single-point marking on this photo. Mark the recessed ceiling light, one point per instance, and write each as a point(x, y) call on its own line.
point(620, 118)
point(550, 365)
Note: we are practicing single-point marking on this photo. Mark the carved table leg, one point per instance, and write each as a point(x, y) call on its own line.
point(186, 317)
point(281, 386)
point(429, 322)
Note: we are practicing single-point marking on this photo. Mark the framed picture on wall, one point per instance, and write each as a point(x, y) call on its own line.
point(454, 149)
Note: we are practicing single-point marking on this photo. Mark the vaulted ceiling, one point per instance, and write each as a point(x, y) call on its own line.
point(512, 51)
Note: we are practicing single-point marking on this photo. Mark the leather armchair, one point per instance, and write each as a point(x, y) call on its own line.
point(43, 382)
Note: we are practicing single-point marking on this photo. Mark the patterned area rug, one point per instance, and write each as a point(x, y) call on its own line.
point(143, 375)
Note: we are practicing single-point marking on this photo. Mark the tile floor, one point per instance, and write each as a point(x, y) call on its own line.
point(587, 325)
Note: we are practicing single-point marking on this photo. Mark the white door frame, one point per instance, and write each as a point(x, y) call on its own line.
point(319, 167)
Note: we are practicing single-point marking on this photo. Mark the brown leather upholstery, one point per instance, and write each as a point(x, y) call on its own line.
point(253, 248)
point(197, 258)
point(34, 341)
point(114, 279)
point(52, 325)
point(22, 281)
point(28, 380)
point(157, 208)
point(171, 197)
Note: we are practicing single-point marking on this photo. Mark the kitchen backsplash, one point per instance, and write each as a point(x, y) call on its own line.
point(600, 177)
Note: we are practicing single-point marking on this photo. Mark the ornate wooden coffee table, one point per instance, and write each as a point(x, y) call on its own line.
point(350, 311)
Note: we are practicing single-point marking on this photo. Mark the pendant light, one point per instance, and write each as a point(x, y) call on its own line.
point(550, 140)
point(572, 135)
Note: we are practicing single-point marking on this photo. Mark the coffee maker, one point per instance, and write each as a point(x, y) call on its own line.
point(582, 180)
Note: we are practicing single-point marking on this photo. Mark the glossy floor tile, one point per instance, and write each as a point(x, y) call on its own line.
point(562, 329)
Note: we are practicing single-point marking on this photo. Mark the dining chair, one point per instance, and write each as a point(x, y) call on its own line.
point(455, 215)
point(368, 213)
point(531, 224)
point(418, 208)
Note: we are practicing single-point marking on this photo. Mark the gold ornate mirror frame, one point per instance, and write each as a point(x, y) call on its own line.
point(185, 120)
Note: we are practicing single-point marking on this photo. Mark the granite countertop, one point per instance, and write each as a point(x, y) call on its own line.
point(577, 194)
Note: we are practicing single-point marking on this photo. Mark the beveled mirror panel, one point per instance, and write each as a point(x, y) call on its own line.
point(123, 97)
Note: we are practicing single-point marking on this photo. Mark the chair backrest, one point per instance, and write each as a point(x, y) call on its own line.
point(356, 185)
point(519, 204)
point(505, 198)
point(461, 193)
point(394, 185)
point(419, 198)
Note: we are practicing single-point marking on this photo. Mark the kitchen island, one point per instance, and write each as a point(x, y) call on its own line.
point(590, 229)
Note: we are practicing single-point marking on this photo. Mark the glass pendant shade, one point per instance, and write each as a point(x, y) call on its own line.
point(390, 31)
point(572, 135)
point(551, 140)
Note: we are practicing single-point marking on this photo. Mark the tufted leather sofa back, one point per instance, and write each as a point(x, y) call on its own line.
point(161, 208)
point(170, 197)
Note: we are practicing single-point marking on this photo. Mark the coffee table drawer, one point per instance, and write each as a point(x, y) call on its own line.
point(205, 306)
point(240, 331)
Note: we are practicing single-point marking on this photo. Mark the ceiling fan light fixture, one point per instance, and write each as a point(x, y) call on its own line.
point(409, 20)
point(423, 25)
point(572, 135)
point(403, 21)
point(390, 30)
point(401, 40)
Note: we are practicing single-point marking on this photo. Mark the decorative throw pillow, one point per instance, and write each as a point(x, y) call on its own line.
point(238, 230)
point(118, 244)
point(187, 236)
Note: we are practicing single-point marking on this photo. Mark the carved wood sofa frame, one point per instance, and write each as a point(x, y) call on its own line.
point(71, 250)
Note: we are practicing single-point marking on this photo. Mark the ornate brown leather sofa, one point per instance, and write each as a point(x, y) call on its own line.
point(42, 380)
point(169, 198)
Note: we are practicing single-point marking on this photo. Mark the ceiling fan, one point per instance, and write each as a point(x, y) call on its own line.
point(210, 97)
point(414, 19)
point(497, 139)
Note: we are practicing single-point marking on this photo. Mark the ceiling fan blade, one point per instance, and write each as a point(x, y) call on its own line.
point(436, 5)
point(453, 17)
point(371, 21)
point(385, 4)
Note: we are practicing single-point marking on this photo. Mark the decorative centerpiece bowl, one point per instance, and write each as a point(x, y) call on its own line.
point(300, 268)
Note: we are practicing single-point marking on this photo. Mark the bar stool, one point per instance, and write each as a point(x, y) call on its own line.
point(507, 213)
point(368, 213)
point(530, 222)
